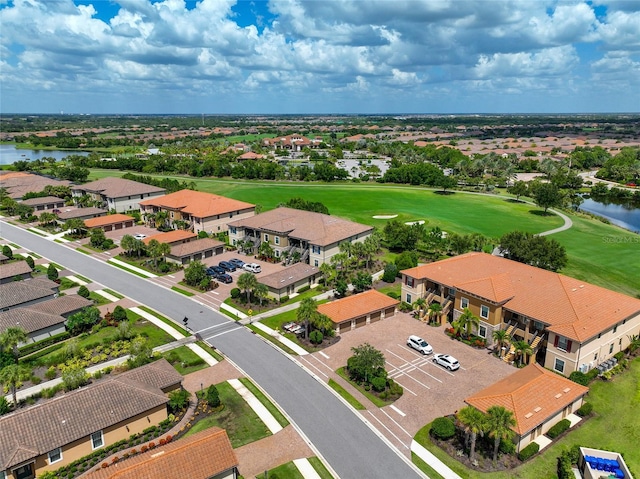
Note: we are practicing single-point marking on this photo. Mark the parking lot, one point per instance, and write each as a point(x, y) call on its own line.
point(430, 390)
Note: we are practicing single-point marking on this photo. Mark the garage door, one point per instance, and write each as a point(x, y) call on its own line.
point(389, 312)
point(361, 321)
point(208, 253)
point(118, 226)
point(107, 228)
point(345, 326)
point(375, 316)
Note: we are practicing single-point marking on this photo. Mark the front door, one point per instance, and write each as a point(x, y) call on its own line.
point(25, 472)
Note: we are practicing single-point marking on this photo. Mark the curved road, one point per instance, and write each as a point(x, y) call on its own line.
point(345, 441)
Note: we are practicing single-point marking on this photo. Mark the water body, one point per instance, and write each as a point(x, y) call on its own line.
point(626, 217)
point(9, 154)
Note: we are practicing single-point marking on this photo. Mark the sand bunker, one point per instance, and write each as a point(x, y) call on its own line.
point(411, 223)
point(384, 217)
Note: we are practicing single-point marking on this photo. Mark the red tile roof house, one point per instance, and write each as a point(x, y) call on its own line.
point(172, 238)
point(117, 194)
point(58, 431)
point(114, 222)
point(16, 270)
point(570, 324)
point(359, 310)
point(315, 237)
point(537, 397)
point(197, 211)
point(205, 455)
point(45, 319)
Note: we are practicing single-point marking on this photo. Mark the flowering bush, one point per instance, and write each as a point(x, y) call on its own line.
point(104, 464)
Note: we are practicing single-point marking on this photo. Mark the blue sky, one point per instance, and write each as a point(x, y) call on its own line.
point(319, 56)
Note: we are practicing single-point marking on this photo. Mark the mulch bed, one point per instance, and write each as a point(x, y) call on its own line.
point(484, 457)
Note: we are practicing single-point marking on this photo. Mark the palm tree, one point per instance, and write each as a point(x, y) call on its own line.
point(10, 339)
point(46, 218)
point(634, 343)
point(474, 422)
point(522, 349)
point(12, 376)
point(261, 291)
point(329, 273)
point(467, 320)
point(500, 422)
point(418, 305)
point(307, 309)
point(127, 243)
point(153, 250)
point(501, 337)
point(163, 250)
point(435, 310)
point(247, 282)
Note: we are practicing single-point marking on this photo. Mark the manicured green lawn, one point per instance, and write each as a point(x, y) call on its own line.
point(285, 471)
point(614, 427)
point(320, 468)
point(184, 360)
point(346, 395)
point(275, 412)
point(242, 424)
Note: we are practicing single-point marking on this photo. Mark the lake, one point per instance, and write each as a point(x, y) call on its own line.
point(9, 154)
point(628, 218)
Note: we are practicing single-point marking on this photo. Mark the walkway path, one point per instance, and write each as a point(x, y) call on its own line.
point(131, 268)
point(567, 224)
point(440, 467)
point(255, 404)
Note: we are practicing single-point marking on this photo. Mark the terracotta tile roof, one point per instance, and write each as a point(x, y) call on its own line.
point(19, 292)
point(570, 307)
point(30, 432)
point(82, 213)
point(44, 200)
point(62, 305)
point(250, 155)
point(532, 393)
point(113, 187)
point(357, 305)
point(316, 228)
point(288, 276)
point(107, 220)
point(197, 203)
point(17, 268)
point(42, 315)
point(196, 246)
point(171, 237)
point(200, 456)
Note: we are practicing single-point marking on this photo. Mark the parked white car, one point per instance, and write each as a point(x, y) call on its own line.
point(446, 361)
point(140, 236)
point(419, 344)
point(252, 267)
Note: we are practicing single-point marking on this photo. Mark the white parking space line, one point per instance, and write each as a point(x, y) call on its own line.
point(324, 355)
point(323, 363)
point(421, 361)
point(444, 370)
point(411, 377)
point(396, 423)
point(389, 430)
point(313, 366)
point(397, 410)
point(404, 387)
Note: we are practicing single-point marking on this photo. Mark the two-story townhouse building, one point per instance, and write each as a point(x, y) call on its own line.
point(116, 194)
point(310, 237)
point(570, 324)
point(195, 211)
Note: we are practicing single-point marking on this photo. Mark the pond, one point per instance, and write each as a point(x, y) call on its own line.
point(621, 215)
point(10, 154)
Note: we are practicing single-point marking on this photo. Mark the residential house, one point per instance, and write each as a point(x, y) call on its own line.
point(114, 222)
point(18, 183)
point(212, 448)
point(195, 250)
point(44, 319)
point(287, 281)
point(16, 270)
point(117, 194)
point(359, 310)
point(81, 213)
point(537, 397)
point(173, 237)
point(250, 155)
point(26, 292)
point(59, 431)
point(196, 211)
point(44, 203)
point(306, 236)
point(570, 324)
point(292, 142)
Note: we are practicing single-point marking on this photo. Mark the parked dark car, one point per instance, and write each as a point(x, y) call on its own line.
point(215, 270)
point(223, 278)
point(238, 263)
point(226, 266)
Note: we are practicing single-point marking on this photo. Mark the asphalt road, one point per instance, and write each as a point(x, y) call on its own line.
point(352, 449)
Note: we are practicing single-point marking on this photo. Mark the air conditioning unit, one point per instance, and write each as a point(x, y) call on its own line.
point(584, 368)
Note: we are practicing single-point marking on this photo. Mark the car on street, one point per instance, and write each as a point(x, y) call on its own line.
point(140, 236)
point(223, 278)
point(214, 270)
point(419, 344)
point(252, 267)
point(227, 266)
point(446, 361)
point(238, 263)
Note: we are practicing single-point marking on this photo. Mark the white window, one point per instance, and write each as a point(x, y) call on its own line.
point(464, 303)
point(484, 311)
point(276, 239)
point(559, 365)
point(563, 343)
point(97, 440)
point(482, 331)
point(233, 230)
point(408, 298)
point(266, 237)
point(315, 249)
point(55, 455)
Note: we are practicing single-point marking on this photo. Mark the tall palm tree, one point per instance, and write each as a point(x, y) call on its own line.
point(435, 310)
point(247, 282)
point(474, 422)
point(467, 320)
point(163, 250)
point(500, 422)
point(11, 337)
point(634, 343)
point(261, 291)
point(127, 243)
point(419, 306)
point(522, 349)
point(329, 273)
point(501, 337)
point(307, 309)
point(12, 376)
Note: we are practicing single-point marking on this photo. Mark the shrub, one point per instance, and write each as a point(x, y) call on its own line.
point(579, 377)
point(585, 410)
point(51, 373)
point(30, 262)
point(104, 464)
point(443, 428)
point(52, 273)
point(619, 355)
point(529, 451)
point(284, 299)
point(144, 448)
point(564, 466)
point(395, 388)
point(304, 288)
point(558, 428)
point(152, 445)
point(83, 291)
point(379, 384)
point(316, 337)
point(235, 293)
point(169, 437)
point(507, 447)
point(4, 406)
point(213, 397)
point(119, 314)
point(390, 273)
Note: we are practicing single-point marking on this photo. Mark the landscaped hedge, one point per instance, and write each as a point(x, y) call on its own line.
point(33, 347)
point(302, 289)
point(443, 428)
point(529, 451)
point(585, 410)
point(579, 377)
point(558, 428)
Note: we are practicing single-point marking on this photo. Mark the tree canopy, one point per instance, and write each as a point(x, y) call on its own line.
point(534, 250)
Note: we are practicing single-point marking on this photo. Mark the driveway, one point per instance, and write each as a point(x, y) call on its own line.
point(430, 391)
